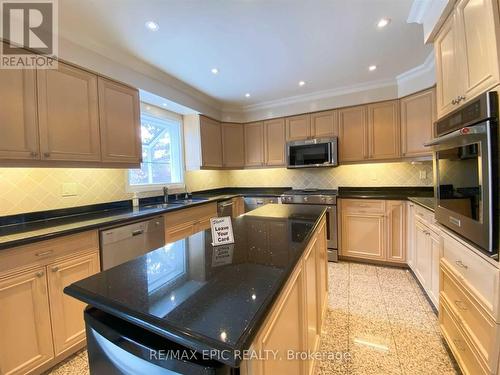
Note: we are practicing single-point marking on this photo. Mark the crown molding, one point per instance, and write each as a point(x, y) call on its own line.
point(424, 68)
point(313, 96)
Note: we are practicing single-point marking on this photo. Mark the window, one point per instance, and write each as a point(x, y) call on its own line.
point(162, 162)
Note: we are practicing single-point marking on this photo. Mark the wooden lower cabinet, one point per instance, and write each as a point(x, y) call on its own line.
point(294, 323)
point(26, 336)
point(238, 206)
point(373, 229)
point(183, 223)
point(39, 324)
point(66, 313)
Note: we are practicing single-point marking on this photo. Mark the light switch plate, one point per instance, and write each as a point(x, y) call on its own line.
point(69, 189)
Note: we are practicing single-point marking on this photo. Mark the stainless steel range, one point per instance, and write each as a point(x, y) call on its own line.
point(326, 198)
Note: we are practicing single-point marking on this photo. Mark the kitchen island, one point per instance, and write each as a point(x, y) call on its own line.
point(252, 307)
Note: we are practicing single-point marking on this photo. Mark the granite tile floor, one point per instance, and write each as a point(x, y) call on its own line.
point(378, 322)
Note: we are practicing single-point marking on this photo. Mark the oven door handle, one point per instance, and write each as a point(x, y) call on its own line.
point(457, 134)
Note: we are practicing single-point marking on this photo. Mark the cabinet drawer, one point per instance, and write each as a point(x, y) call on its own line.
point(480, 277)
point(191, 215)
point(475, 319)
point(461, 347)
point(424, 214)
point(179, 232)
point(44, 252)
point(363, 206)
point(203, 223)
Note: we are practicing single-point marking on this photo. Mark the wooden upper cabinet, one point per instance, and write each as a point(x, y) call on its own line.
point(211, 142)
point(26, 340)
point(324, 124)
point(418, 113)
point(298, 127)
point(476, 20)
point(68, 114)
point(466, 50)
point(274, 142)
point(120, 123)
point(66, 312)
point(254, 144)
point(233, 145)
point(384, 130)
point(447, 71)
point(18, 115)
point(353, 134)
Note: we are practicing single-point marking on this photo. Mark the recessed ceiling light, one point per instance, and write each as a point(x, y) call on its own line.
point(383, 22)
point(153, 26)
point(371, 68)
point(301, 83)
point(247, 95)
point(164, 104)
point(215, 71)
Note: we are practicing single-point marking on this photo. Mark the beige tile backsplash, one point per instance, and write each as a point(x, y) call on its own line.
point(38, 189)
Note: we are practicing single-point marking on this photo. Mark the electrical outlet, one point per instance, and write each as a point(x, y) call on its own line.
point(423, 174)
point(69, 189)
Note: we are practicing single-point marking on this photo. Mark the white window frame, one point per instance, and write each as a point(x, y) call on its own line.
point(176, 187)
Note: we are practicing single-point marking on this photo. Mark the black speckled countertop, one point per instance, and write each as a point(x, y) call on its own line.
point(392, 192)
point(203, 297)
point(22, 229)
point(429, 203)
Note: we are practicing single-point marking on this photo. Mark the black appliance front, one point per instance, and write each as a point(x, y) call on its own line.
point(116, 347)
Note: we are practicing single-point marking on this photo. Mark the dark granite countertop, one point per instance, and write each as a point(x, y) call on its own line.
point(32, 227)
point(429, 203)
point(396, 193)
point(203, 297)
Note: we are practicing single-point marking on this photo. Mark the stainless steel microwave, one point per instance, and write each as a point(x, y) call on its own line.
point(311, 153)
point(466, 172)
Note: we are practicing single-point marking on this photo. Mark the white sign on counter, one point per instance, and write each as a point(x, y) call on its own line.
point(222, 230)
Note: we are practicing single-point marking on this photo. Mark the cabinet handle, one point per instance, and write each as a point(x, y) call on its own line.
point(55, 269)
point(34, 154)
point(46, 154)
point(39, 274)
point(461, 305)
point(460, 98)
point(460, 264)
point(44, 253)
point(454, 101)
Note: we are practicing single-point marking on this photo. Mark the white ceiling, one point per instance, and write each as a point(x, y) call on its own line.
point(264, 47)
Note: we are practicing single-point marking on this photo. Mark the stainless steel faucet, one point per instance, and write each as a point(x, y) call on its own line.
point(165, 194)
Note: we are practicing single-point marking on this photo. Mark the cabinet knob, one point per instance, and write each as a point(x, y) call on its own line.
point(39, 274)
point(34, 154)
point(46, 154)
point(460, 98)
point(55, 269)
point(454, 101)
point(461, 264)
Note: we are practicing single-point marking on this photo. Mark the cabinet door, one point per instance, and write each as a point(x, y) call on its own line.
point(324, 124)
point(311, 298)
point(18, 114)
point(384, 130)
point(322, 273)
point(353, 134)
point(478, 40)
point(120, 123)
point(410, 243)
point(25, 339)
point(435, 250)
point(275, 142)
point(396, 231)
point(298, 127)
point(418, 113)
point(211, 142)
point(233, 145)
point(423, 255)
point(284, 333)
point(363, 235)
point(448, 75)
point(68, 328)
point(68, 114)
point(254, 144)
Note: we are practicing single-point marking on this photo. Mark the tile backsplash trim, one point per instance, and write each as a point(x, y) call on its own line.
point(39, 189)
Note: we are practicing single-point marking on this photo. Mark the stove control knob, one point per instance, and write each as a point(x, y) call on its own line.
point(323, 199)
point(305, 199)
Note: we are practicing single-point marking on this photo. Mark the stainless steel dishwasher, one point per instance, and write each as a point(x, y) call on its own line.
point(124, 243)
